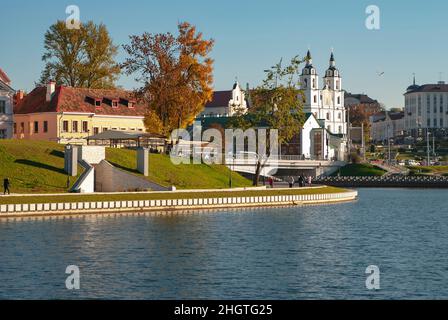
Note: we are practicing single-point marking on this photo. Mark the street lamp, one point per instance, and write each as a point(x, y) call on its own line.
point(231, 169)
point(388, 142)
point(427, 146)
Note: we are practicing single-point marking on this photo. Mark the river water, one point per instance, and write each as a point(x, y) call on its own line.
point(313, 252)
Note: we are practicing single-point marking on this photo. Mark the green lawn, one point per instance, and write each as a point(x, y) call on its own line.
point(164, 172)
point(360, 169)
point(33, 166)
point(437, 170)
point(165, 195)
point(38, 167)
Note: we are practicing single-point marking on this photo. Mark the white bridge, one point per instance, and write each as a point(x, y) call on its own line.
point(284, 165)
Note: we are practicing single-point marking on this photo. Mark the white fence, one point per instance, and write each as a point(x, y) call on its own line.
point(148, 205)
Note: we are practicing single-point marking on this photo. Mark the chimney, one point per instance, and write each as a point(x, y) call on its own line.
point(51, 88)
point(20, 94)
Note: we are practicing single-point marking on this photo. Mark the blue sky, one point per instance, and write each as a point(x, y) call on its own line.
point(252, 35)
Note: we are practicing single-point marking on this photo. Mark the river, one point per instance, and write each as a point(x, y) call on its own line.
point(312, 252)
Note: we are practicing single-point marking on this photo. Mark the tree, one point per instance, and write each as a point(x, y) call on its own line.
point(80, 57)
point(277, 104)
point(175, 73)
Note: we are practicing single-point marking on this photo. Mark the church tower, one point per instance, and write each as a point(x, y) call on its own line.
point(310, 85)
point(333, 104)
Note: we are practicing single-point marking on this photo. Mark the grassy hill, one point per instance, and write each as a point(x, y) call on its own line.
point(33, 166)
point(359, 170)
point(164, 172)
point(38, 167)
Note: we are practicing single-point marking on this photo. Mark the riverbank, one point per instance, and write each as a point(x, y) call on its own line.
point(14, 206)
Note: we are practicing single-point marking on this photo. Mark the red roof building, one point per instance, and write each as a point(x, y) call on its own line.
point(70, 115)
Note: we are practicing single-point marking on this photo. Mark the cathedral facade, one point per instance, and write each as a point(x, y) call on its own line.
point(325, 102)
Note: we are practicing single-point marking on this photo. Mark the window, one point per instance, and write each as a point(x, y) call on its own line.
point(337, 85)
point(2, 106)
point(340, 129)
point(65, 126)
point(36, 127)
point(123, 129)
point(114, 104)
point(315, 99)
point(15, 128)
point(441, 122)
point(105, 129)
point(97, 103)
point(314, 83)
point(339, 116)
point(140, 129)
point(96, 130)
point(328, 115)
point(45, 126)
point(428, 123)
point(435, 122)
point(74, 126)
point(428, 101)
point(85, 126)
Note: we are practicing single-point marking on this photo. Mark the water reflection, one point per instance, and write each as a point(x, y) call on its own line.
point(289, 253)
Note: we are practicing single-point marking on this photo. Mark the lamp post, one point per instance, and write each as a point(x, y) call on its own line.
point(427, 146)
point(388, 143)
point(231, 169)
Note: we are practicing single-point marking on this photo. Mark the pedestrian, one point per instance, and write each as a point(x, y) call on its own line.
point(271, 182)
point(301, 181)
point(291, 182)
point(310, 181)
point(6, 185)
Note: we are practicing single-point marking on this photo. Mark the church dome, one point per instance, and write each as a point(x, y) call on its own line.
point(332, 71)
point(413, 86)
point(309, 68)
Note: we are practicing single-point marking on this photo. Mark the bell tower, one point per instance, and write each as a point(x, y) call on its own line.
point(310, 85)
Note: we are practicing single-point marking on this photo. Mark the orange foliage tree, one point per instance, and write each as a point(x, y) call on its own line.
point(176, 74)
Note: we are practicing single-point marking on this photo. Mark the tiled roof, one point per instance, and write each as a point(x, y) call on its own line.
point(362, 98)
point(396, 115)
point(68, 99)
point(220, 99)
point(4, 77)
point(430, 88)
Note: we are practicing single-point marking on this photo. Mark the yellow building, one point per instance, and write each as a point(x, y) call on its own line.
point(70, 115)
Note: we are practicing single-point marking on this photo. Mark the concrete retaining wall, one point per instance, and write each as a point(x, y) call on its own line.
point(13, 210)
point(111, 179)
point(91, 154)
point(86, 182)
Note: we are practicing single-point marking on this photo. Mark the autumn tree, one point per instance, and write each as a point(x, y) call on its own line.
point(175, 73)
point(277, 104)
point(81, 57)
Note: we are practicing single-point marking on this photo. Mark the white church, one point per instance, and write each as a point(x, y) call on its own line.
point(324, 133)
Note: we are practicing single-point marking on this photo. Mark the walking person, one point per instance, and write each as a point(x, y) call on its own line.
point(301, 181)
point(291, 182)
point(271, 182)
point(310, 181)
point(6, 185)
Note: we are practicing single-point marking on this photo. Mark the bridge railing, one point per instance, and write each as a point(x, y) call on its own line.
point(383, 179)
